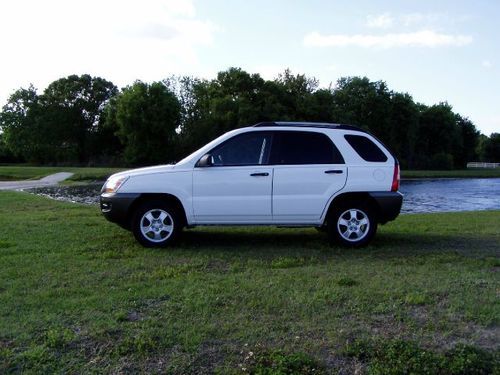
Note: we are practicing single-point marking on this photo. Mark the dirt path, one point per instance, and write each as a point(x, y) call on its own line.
point(53, 179)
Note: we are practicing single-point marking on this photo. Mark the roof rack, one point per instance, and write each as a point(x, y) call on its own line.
point(308, 125)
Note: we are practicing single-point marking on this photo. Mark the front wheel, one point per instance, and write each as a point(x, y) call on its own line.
point(352, 225)
point(156, 224)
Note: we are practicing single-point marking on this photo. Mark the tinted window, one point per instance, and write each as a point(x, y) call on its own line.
point(243, 149)
point(368, 150)
point(304, 148)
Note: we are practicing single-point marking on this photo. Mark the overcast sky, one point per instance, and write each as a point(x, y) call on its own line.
point(435, 50)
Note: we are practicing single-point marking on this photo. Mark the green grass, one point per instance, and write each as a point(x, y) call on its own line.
point(406, 357)
point(13, 173)
point(464, 173)
point(78, 295)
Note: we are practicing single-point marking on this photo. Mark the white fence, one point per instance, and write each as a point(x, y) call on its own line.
point(483, 165)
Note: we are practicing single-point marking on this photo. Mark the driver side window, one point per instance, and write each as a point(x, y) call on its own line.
point(244, 149)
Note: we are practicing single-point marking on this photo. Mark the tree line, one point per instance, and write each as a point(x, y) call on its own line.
point(87, 120)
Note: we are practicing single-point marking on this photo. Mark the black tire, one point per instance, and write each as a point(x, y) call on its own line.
point(163, 221)
point(352, 225)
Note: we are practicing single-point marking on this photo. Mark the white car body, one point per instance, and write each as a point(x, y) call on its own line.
point(284, 195)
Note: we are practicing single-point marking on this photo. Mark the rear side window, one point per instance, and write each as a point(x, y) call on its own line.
point(296, 147)
point(364, 146)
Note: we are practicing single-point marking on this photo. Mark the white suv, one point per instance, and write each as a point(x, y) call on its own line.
point(333, 177)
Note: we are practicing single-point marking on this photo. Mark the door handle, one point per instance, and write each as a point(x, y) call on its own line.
point(259, 174)
point(334, 171)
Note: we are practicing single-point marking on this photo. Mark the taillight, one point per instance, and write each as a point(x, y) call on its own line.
point(395, 178)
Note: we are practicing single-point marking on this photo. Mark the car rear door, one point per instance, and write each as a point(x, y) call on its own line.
point(308, 171)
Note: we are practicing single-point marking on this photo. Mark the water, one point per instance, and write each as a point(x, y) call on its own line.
point(448, 195)
point(425, 195)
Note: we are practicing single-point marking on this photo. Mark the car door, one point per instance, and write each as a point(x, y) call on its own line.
point(237, 188)
point(308, 170)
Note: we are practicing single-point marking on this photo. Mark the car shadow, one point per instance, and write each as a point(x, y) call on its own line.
point(255, 239)
point(271, 242)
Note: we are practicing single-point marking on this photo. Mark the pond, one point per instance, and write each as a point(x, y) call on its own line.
point(447, 195)
point(422, 195)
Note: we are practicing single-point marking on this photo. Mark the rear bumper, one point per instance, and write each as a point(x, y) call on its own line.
point(389, 204)
point(116, 207)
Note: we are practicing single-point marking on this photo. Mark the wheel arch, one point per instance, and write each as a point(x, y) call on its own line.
point(164, 197)
point(361, 198)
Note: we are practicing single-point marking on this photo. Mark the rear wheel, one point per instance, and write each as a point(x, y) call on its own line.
point(352, 225)
point(156, 224)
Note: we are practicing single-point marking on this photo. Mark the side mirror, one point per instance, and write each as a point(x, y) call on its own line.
point(206, 160)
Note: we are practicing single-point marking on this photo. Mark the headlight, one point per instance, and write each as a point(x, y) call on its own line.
point(113, 184)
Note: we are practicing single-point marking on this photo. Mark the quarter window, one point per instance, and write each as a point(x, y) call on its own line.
point(244, 149)
point(364, 146)
point(297, 147)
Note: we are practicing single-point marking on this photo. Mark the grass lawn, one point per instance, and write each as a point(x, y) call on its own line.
point(78, 295)
point(21, 172)
point(463, 173)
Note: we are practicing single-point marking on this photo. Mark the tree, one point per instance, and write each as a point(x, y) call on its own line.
point(438, 137)
point(147, 116)
point(74, 106)
point(59, 125)
point(6, 155)
point(358, 101)
point(466, 150)
point(234, 99)
point(19, 121)
point(295, 95)
point(403, 124)
point(481, 143)
point(320, 106)
point(105, 146)
point(492, 148)
point(83, 119)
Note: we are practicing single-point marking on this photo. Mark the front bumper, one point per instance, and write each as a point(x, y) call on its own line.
point(389, 204)
point(116, 207)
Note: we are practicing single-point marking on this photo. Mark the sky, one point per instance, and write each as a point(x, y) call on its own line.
point(437, 51)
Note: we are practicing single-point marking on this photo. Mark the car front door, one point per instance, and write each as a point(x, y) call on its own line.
point(237, 186)
point(308, 171)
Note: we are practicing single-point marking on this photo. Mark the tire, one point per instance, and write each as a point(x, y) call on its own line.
point(156, 224)
point(352, 225)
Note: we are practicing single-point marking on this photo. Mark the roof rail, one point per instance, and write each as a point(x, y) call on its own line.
point(308, 125)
